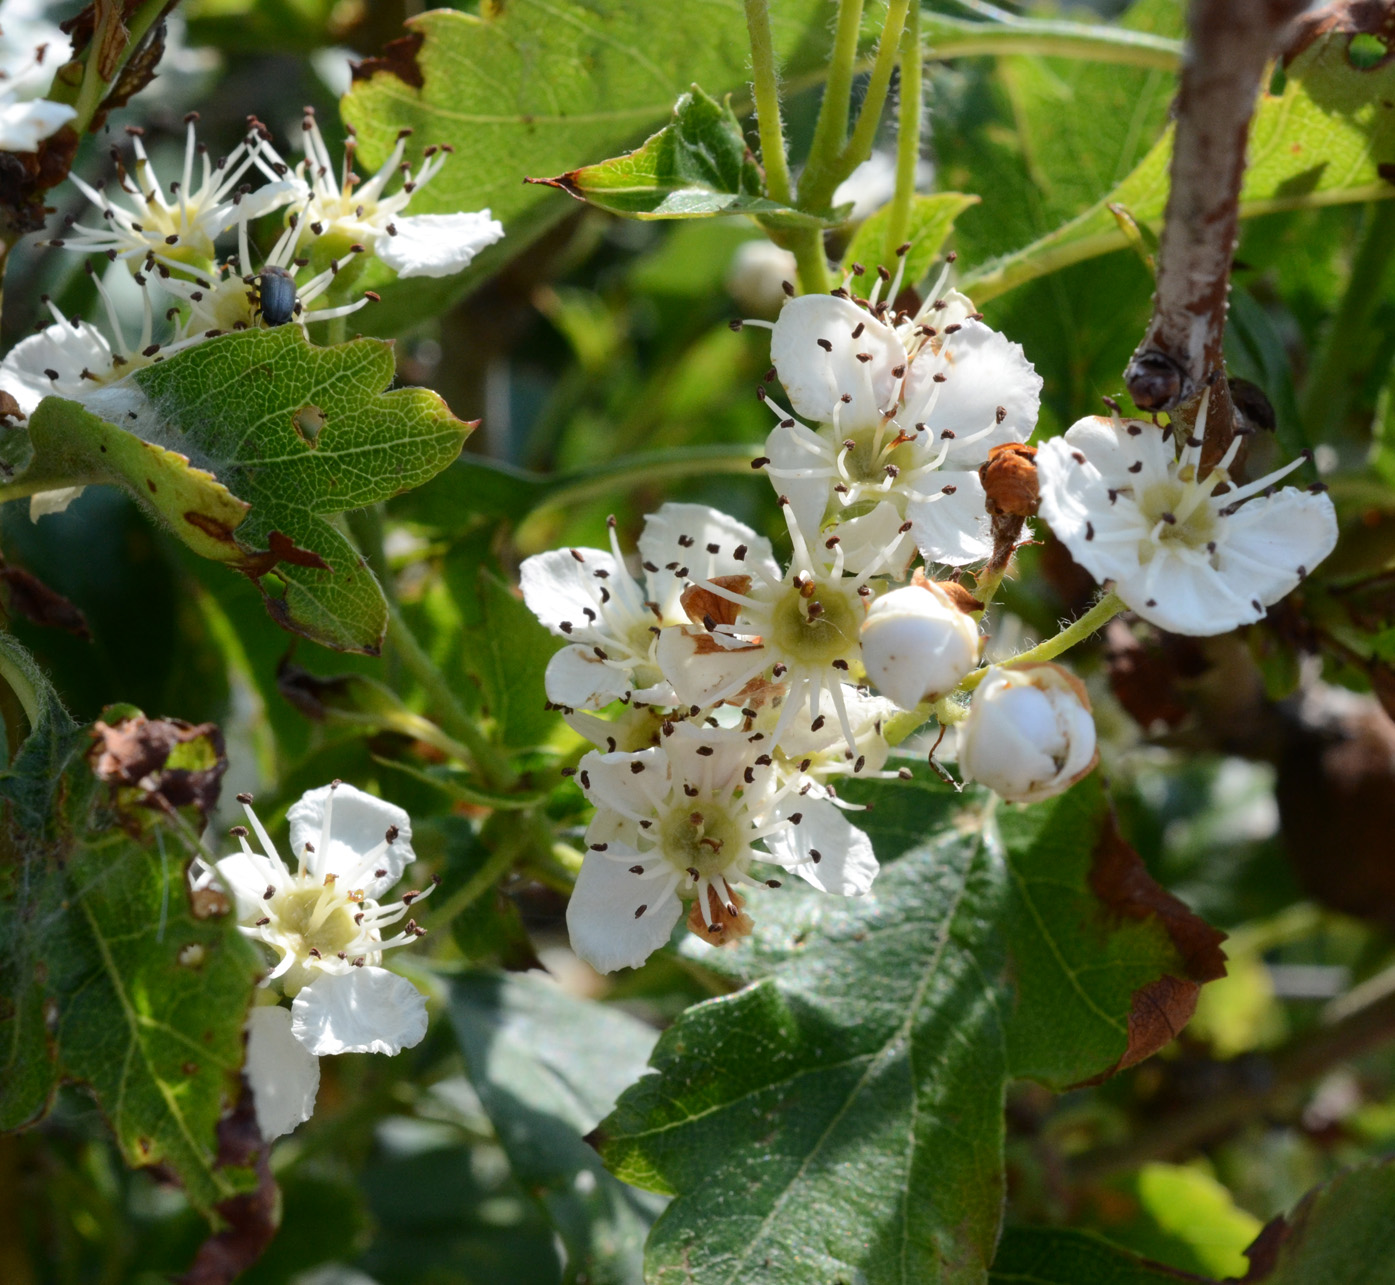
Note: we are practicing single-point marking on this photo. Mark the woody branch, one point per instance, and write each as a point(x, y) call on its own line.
point(1181, 352)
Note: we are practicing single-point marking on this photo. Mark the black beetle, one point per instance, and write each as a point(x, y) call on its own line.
point(276, 299)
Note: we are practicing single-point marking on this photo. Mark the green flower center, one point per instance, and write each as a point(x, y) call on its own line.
point(818, 629)
point(321, 918)
point(701, 834)
point(1167, 503)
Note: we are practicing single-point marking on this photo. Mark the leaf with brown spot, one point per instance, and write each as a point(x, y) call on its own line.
point(876, 1035)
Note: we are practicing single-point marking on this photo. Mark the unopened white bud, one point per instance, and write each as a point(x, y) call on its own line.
point(918, 642)
point(757, 275)
point(1029, 734)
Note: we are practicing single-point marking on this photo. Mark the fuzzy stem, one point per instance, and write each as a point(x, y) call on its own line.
point(832, 127)
point(869, 115)
point(812, 262)
point(496, 866)
point(767, 95)
point(908, 127)
point(1100, 614)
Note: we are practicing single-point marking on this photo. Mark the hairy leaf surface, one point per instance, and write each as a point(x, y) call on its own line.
point(869, 1054)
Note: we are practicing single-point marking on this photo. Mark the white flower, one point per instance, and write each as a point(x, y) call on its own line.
point(612, 617)
point(1029, 734)
point(1132, 511)
point(344, 206)
point(917, 643)
point(797, 632)
point(178, 225)
point(906, 415)
point(26, 70)
point(325, 922)
point(73, 359)
point(679, 822)
point(23, 126)
point(227, 300)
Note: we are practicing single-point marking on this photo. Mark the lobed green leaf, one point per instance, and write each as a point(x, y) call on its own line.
point(870, 1051)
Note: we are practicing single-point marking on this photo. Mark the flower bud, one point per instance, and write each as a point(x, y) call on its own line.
point(918, 642)
point(1029, 734)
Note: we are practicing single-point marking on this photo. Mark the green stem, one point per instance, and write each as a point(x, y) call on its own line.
point(1330, 386)
point(810, 259)
point(652, 466)
point(492, 768)
point(964, 38)
point(869, 115)
point(907, 136)
point(498, 864)
point(832, 127)
point(767, 92)
point(1100, 614)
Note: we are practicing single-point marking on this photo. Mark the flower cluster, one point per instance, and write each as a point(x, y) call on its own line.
point(166, 236)
point(755, 687)
point(323, 926)
point(749, 679)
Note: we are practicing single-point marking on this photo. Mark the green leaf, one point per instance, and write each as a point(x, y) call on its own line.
point(932, 220)
point(697, 166)
point(547, 1066)
point(1340, 1234)
point(1323, 140)
point(108, 977)
point(1041, 1256)
point(544, 87)
point(293, 434)
point(1179, 1215)
point(870, 1055)
point(507, 650)
point(73, 446)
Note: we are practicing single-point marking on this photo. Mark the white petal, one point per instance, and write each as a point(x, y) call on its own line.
point(951, 528)
point(218, 219)
point(436, 245)
point(610, 780)
point(983, 372)
point(1270, 538)
point(246, 877)
point(578, 678)
point(358, 827)
point(364, 1010)
point(61, 347)
point(865, 712)
point(797, 449)
point(703, 670)
point(283, 1073)
point(1009, 740)
point(23, 126)
point(817, 379)
point(867, 537)
point(1115, 453)
point(42, 503)
point(1184, 594)
point(558, 587)
point(606, 930)
point(701, 528)
point(845, 865)
point(714, 758)
point(1076, 504)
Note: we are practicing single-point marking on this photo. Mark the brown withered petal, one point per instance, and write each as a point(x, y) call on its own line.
point(727, 927)
point(700, 603)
